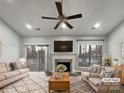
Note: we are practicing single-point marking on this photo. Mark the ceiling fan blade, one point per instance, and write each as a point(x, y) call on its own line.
point(69, 25)
point(59, 8)
point(74, 16)
point(49, 18)
point(57, 25)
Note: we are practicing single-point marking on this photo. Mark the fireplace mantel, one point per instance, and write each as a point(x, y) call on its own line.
point(63, 56)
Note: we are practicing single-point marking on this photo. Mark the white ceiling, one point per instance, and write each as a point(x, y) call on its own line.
point(19, 12)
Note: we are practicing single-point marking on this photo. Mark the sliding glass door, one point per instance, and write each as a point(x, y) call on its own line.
point(89, 54)
point(37, 57)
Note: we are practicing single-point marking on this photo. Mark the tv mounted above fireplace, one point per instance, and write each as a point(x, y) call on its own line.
point(63, 46)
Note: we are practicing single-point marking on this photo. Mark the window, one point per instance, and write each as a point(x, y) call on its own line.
point(89, 54)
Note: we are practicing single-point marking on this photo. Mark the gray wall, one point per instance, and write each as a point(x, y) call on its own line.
point(50, 41)
point(10, 44)
point(115, 39)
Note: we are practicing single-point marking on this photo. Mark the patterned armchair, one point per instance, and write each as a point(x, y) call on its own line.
point(92, 71)
point(94, 79)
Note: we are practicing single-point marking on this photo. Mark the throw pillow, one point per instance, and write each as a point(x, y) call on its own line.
point(90, 68)
point(22, 65)
point(106, 74)
point(14, 66)
point(102, 73)
point(93, 69)
point(8, 66)
point(99, 67)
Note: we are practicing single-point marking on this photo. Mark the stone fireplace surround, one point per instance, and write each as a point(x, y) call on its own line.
point(64, 57)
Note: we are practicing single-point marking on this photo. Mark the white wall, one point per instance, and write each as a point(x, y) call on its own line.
point(10, 44)
point(114, 43)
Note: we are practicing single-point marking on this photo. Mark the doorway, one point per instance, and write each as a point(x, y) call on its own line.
point(37, 57)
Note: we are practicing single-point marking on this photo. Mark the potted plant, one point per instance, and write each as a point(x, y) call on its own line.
point(106, 60)
point(60, 69)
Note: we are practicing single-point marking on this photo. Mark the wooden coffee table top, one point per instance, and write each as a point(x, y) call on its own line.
point(65, 78)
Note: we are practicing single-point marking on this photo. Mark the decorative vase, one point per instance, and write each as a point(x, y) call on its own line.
point(58, 75)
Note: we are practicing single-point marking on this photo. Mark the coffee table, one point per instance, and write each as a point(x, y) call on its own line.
point(59, 84)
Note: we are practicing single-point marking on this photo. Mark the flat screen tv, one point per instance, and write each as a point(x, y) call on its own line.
point(63, 46)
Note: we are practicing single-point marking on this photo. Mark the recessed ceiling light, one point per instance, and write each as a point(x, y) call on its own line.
point(28, 26)
point(97, 25)
point(63, 25)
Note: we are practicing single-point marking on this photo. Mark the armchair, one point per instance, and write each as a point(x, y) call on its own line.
point(94, 79)
point(92, 71)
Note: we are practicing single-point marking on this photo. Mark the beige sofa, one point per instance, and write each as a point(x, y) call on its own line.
point(7, 76)
point(94, 80)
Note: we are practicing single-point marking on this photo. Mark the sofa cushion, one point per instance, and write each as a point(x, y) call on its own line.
point(94, 75)
point(2, 67)
point(23, 70)
point(10, 74)
point(95, 81)
point(2, 77)
point(8, 67)
point(85, 74)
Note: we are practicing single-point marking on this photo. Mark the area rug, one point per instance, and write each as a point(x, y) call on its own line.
point(40, 85)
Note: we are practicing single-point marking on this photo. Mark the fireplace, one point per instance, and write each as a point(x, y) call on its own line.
point(66, 62)
point(64, 58)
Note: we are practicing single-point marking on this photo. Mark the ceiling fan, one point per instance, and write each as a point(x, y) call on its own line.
point(62, 18)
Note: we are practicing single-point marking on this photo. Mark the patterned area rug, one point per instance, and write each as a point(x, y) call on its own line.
point(40, 85)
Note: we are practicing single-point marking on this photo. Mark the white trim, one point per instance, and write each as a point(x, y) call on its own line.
point(26, 44)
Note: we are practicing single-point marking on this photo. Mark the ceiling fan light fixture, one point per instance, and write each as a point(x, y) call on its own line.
point(63, 25)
